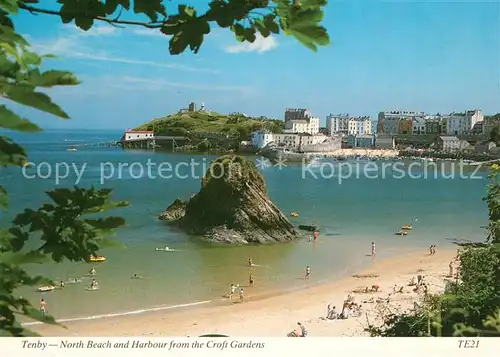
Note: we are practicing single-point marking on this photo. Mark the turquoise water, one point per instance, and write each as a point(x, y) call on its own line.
point(351, 214)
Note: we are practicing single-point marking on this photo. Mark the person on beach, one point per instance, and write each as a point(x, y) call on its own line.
point(250, 280)
point(61, 283)
point(315, 235)
point(93, 284)
point(308, 272)
point(303, 330)
point(241, 294)
point(450, 273)
point(430, 250)
point(232, 291)
point(373, 249)
point(43, 306)
point(92, 271)
point(250, 262)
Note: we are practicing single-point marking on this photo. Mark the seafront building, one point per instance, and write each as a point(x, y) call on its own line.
point(344, 124)
point(419, 123)
point(463, 123)
point(451, 143)
point(389, 122)
point(262, 138)
point(299, 121)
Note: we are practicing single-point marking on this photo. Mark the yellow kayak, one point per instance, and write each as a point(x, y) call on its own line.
point(407, 227)
point(98, 259)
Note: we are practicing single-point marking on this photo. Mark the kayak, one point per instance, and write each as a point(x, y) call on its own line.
point(44, 289)
point(98, 259)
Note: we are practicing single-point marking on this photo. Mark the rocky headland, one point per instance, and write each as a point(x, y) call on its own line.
point(231, 207)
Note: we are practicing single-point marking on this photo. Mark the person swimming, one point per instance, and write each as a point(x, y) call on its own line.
point(93, 285)
point(92, 271)
point(136, 276)
point(250, 262)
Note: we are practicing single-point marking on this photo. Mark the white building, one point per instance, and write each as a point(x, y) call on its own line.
point(131, 135)
point(300, 121)
point(310, 126)
point(338, 124)
point(389, 121)
point(462, 123)
point(261, 139)
point(347, 125)
point(360, 126)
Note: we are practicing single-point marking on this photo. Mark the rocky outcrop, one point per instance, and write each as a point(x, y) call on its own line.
point(231, 207)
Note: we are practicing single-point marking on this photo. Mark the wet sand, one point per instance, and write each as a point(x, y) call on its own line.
point(277, 314)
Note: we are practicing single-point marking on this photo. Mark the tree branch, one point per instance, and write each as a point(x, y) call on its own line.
point(151, 25)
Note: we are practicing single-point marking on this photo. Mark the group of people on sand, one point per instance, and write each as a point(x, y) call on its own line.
point(432, 250)
point(235, 289)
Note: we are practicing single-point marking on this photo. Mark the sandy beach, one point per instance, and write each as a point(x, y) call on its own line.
point(386, 153)
point(278, 314)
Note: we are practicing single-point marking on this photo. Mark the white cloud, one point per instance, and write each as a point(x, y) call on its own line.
point(76, 45)
point(260, 45)
point(159, 84)
point(109, 85)
point(148, 32)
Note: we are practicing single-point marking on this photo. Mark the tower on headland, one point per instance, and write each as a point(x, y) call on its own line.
point(192, 107)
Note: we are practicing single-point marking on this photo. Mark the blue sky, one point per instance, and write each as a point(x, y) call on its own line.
point(427, 56)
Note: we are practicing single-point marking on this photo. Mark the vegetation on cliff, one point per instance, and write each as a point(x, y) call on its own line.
point(198, 124)
point(232, 206)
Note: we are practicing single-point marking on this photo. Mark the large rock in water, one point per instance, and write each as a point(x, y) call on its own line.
point(231, 207)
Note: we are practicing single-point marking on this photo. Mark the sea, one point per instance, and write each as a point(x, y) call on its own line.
point(354, 203)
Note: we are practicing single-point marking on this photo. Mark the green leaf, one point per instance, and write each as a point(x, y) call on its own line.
point(11, 154)
point(261, 27)
point(106, 224)
point(271, 25)
point(18, 258)
point(150, 8)
point(12, 121)
point(37, 315)
point(10, 6)
point(107, 207)
point(31, 58)
point(84, 22)
point(56, 78)
point(4, 198)
point(25, 95)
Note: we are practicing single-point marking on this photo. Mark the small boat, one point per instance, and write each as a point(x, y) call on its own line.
point(407, 227)
point(402, 233)
point(98, 259)
point(72, 149)
point(44, 289)
point(309, 228)
point(294, 214)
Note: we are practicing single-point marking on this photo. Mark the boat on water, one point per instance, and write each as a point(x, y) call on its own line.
point(294, 214)
point(72, 149)
point(44, 289)
point(402, 233)
point(306, 227)
point(407, 227)
point(97, 259)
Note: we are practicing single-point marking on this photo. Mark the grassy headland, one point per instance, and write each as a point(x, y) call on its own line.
point(211, 131)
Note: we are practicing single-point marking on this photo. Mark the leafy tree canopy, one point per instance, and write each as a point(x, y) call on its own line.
point(186, 27)
point(72, 226)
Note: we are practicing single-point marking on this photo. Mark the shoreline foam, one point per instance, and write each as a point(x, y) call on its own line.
point(275, 315)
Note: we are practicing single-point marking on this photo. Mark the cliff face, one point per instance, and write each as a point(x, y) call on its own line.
point(231, 207)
